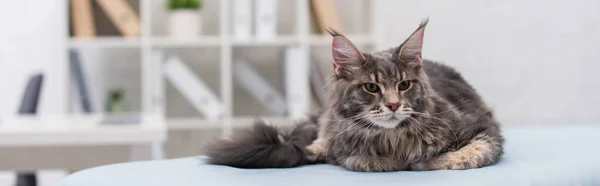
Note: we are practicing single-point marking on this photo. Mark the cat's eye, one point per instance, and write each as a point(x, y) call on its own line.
point(404, 85)
point(371, 87)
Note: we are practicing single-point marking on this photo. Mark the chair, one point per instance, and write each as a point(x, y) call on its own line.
point(29, 104)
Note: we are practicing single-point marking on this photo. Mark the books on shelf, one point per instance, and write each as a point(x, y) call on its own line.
point(259, 88)
point(193, 89)
point(326, 16)
point(296, 70)
point(122, 16)
point(241, 19)
point(82, 18)
point(265, 19)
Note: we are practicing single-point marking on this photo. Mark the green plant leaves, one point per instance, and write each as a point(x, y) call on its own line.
point(184, 4)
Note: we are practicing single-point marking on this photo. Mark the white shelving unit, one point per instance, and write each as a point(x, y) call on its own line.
point(147, 138)
point(148, 42)
point(77, 130)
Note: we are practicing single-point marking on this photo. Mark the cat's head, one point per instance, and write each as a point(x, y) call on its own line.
point(382, 88)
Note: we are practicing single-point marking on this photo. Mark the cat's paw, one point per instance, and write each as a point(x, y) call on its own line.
point(315, 151)
point(372, 164)
point(447, 161)
point(476, 154)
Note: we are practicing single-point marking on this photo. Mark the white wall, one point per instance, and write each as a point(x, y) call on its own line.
point(32, 39)
point(534, 61)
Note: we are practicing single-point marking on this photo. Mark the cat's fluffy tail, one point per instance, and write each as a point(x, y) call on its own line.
point(264, 146)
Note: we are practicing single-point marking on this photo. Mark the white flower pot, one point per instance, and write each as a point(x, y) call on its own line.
point(185, 24)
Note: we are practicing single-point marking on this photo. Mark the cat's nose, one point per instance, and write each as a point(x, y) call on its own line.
point(393, 107)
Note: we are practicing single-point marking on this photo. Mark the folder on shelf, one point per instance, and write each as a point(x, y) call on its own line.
point(326, 16)
point(122, 16)
point(265, 19)
point(241, 19)
point(317, 82)
point(158, 59)
point(193, 89)
point(296, 70)
point(80, 82)
point(259, 88)
point(82, 19)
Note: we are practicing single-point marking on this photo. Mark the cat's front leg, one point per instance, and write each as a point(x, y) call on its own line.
point(372, 164)
point(481, 151)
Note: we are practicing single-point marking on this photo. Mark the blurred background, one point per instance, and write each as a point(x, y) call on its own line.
point(93, 82)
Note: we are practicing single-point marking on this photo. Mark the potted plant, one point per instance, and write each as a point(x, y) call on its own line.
point(115, 103)
point(185, 19)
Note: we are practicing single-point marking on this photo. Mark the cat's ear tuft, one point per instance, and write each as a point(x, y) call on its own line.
point(412, 48)
point(346, 57)
point(333, 32)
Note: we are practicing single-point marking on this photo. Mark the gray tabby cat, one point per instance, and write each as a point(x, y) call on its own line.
point(387, 111)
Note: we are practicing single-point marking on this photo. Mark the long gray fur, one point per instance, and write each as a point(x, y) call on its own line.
point(448, 125)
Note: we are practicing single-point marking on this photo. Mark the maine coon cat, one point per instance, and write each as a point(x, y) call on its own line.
point(387, 111)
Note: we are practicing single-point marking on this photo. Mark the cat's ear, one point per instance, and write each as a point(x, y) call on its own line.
point(410, 50)
point(346, 57)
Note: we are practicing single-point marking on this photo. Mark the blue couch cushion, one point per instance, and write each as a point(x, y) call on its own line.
point(542, 155)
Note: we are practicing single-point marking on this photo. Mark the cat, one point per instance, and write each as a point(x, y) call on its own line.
point(387, 111)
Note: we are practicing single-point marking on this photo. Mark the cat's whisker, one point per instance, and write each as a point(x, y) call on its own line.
point(353, 126)
point(357, 117)
point(339, 111)
point(422, 130)
point(418, 129)
point(453, 108)
point(416, 125)
point(367, 134)
point(442, 121)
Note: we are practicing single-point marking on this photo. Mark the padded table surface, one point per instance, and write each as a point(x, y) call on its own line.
point(548, 155)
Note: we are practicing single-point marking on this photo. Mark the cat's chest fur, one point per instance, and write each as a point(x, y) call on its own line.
point(405, 144)
point(411, 144)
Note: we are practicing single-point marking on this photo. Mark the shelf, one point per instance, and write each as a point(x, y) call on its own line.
point(295, 31)
point(115, 42)
point(195, 42)
point(120, 42)
point(78, 130)
point(237, 122)
point(205, 41)
point(325, 40)
point(278, 41)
